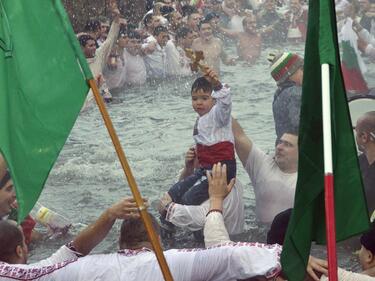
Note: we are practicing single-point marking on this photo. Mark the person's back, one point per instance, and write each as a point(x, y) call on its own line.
point(286, 69)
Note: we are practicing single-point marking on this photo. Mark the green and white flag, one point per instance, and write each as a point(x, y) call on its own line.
point(308, 217)
point(42, 89)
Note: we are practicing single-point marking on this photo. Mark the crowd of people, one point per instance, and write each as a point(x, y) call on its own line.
point(207, 196)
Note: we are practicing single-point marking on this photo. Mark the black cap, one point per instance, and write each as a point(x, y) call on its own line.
point(368, 239)
point(279, 225)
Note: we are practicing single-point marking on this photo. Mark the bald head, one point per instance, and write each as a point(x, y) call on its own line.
point(366, 123)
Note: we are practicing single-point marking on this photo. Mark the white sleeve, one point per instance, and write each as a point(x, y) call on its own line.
point(366, 36)
point(255, 162)
point(223, 106)
point(104, 50)
point(214, 230)
point(61, 255)
point(237, 261)
point(370, 51)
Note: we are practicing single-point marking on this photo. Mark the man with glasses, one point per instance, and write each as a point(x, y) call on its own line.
point(365, 137)
point(273, 177)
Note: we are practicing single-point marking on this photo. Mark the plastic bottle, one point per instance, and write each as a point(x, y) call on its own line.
point(56, 223)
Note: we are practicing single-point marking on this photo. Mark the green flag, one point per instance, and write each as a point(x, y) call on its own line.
point(308, 221)
point(42, 88)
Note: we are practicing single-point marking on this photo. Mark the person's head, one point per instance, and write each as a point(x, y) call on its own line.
point(184, 37)
point(365, 132)
point(122, 39)
point(133, 232)
point(193, 21)
point(249, 24)
point(286, 66)
point(213, 19)
point(277, 232)
point(93, 28)
point(134, 43)
point(187, 10)
point(147, 21)
point(157, 21)
point(286, 155)
point(231, 4)
point(13, 248)
point(295, 5)
point(161, 35)
point(88, 45)
point(205, 31)
point(269, 5)
point(7, 195)
point(367, 251)
point(201, 98)
point(175, 19)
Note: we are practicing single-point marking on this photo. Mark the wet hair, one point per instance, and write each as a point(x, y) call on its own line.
point(203, 22)
point(4, 180)
point(203, 84)
point(84, 38)
point(188, 10)
point(133, 231)
point(92, 26)
point(277, 232)
point(182, 32)
point(123, 31)
point(159, 30)
point(132, 34)
point(147, 19)
point(368, 239)
point(166, 10)
point(10, 237)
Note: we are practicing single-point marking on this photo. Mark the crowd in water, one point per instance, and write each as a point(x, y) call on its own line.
point(166, 44)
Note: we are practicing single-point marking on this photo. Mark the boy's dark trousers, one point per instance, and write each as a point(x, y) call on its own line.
point(193, 190)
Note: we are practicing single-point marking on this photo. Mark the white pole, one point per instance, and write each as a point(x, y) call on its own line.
point(326, 109)
point(329, 193)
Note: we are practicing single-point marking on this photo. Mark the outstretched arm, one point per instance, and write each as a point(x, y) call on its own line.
point(92, 235)
point(243, 144)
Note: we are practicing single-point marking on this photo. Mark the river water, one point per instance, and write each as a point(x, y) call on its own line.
point(155, 124)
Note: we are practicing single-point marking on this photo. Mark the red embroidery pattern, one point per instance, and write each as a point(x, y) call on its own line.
point(16, 273)
point(130, 253)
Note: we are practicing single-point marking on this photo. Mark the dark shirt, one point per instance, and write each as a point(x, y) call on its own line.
point(286, 108)
point(368, 176)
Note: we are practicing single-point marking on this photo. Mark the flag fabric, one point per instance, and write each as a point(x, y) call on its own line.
point(308, 220)
point(352, 65)
point(42, 88)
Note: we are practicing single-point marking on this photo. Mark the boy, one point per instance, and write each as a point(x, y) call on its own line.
point(214, 141)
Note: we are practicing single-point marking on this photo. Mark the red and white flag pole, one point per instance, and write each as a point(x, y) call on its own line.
point(328, 175)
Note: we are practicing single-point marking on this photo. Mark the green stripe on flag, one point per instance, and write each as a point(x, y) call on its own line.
point(42, 89)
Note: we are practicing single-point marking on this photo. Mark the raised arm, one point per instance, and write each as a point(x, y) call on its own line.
point(214, 228)
point(92, 235)
point(243, 144)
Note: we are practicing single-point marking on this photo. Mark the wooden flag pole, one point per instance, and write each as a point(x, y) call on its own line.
point(328, 176)
point(154, 239)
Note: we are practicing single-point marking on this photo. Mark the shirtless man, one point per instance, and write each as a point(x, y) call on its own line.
point(249, 42)
point(206, 42)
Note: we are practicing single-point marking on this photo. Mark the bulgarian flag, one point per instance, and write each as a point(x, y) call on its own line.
point(350, 211)
point(42, 89)
point(352, 64)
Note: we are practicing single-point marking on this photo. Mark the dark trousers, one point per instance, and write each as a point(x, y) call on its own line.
point(193, 190)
